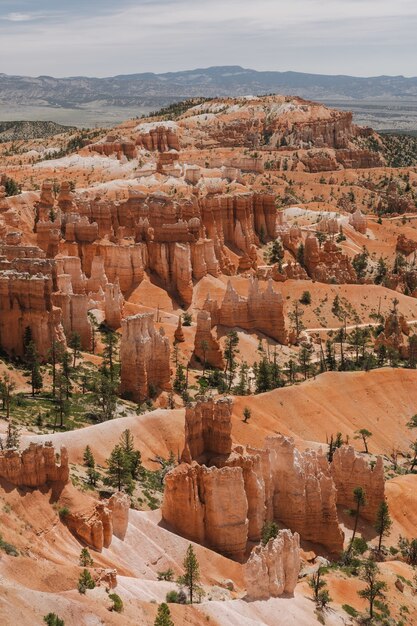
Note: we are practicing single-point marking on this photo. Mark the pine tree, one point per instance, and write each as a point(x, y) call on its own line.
point(191, 577)
point(364, 434)
point(7, 386)
point(75, 345)
point(32, 359)
point(383, 522)
point(374, 587)
point(105, 393)
point(85, 582)
point(53, 620)
point(163, 617)
point(66, 372)
point(246, 414)
point(360, 501)
point(118, 470)
point(230, 353)
point(85, 559)
point(110, 341)
point(90, 464)
point(133, 456)
point(54, 357)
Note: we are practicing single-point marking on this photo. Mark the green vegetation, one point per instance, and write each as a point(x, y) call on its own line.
point(85, 582)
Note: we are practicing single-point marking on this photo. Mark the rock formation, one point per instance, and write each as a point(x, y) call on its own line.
point(327, 264)
point(405, 245)
point(277, 482)
point(35, 466)
point(262, 311)
point(144, 356)
point(93, 527)
point(350, 470)
point(272, 570)
point(179, 333)
point(358, 221)
point(119, 505)
point(206, 347)
point(395, 333)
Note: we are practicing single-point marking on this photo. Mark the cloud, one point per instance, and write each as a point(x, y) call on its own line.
point(101, 37)
point(18, 17)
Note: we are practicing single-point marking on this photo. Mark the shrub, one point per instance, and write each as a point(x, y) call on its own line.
point(63, 512)
point(117, 602)
point(85, 581)
point(269, 531)
point(176, 597)
point(186, 319)
point(166, 575)
point(306, 298)
point(8, 548)
point(350, 610)
point(85, 558)
point(359, 545)
point(53, 620)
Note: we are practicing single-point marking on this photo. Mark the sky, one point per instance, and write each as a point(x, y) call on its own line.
point(109, 37)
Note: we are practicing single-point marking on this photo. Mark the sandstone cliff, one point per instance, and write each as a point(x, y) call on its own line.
point(35, 466)
point(272, 570)
point(144, 356)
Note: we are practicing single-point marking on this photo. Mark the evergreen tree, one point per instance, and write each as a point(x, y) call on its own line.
point(133, 457)
point(163, 617)
point(62, 406)
point(12, 439)
point(317, 583)
point(7, 386)
point(105, 393)
point(53, 620)
point(66, 373)
point(32, 360)
point(230, 353)
point(119, 473)
point(110, 341)
point(374, 588)
point(383, 522)
point(85, 581)
point(54, 357)
point(262, 380)
point(75, 345)
point(360, 501)
point(295, 316)
point(85, 559)
point(364, 434)
point(180, 381)
point(304, 361)
point(191, 577)
point(269, 531)
point(246, 414)
point(90, 464)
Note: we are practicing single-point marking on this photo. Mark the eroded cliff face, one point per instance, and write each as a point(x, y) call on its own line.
point(261, 310)
point(206, 347)
point(350, 470)
point(327, 264)
point(272, 570)
point(277, 482)
point(35, 466)
point(144, 357)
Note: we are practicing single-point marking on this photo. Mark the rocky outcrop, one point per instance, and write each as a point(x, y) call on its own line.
point(26, 302)
point(327, 264)
point(208, 430)
point(179, 333)
point(158, 136)
point(350, 470)
point(277, 482)
point(358, 221)
point(206, 347)
point(272, 570)
point(260, 311)
point(405, 245)
point(119, 505)
point(197, 506)
point(395, 334)
point(144, 357)
point(35, 466)
point(93, 527)
point(304, 494)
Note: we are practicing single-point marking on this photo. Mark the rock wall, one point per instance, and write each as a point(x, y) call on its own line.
point(93, 527)
point(206, 348)
point(35, 466)
point(276, 482)
point(350, 470)
point(260, 311)
point(327, 264)
point(272, 570)
point(144, 357)
point(26, 302)
point(208, 429)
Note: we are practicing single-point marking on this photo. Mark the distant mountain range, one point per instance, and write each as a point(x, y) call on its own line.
point(150, 89)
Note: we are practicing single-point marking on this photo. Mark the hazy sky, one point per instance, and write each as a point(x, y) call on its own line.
point(107, 37)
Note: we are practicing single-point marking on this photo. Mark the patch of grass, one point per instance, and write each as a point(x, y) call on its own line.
point(8, 548)
point(350, 610)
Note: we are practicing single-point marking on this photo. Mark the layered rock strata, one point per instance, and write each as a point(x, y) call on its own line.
point(350, 470)
point(261, 311)
point(206, 348)
point(35, 466)
point(144, 357)
point(272, 570)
